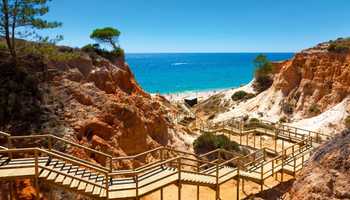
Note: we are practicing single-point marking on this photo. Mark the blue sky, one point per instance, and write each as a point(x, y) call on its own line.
point(205, 25)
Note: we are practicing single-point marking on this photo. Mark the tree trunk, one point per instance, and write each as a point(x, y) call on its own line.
point(13, 27)
point(6, 27)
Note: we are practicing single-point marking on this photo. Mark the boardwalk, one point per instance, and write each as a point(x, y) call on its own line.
point(104, 181)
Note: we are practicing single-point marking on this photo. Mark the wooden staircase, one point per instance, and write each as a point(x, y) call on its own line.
point(104, 181)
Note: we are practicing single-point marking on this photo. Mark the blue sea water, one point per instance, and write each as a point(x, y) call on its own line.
point(181, 72)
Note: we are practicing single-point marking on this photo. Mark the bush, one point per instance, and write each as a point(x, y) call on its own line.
point(110, 55)
point(341, 45)
point(263, 73)
point(314, 109)
point(283, 119)
point(254, 120)
point(209, 142)
point(50, 52)
point(242, 95)
point(287, 108)
point(347, 122)
point(262, 83)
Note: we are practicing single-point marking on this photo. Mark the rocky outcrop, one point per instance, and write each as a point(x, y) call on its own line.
point(318, 79)
point(104, 108)
point(327, 175)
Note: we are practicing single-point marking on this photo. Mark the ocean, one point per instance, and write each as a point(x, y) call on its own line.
point(193, 72)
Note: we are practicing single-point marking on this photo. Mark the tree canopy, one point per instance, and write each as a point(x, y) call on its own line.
point(21, 18)
point(108, 35)
point(263, 73)
point(263, 65)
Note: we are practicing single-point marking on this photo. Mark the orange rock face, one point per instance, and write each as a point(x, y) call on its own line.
point(315, 78)
point(104, 108)
point(327, 176)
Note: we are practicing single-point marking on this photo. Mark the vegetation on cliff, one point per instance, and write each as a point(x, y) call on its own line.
point(208, 142)
point(263, 73)
point(341, 45)
point(21, 19)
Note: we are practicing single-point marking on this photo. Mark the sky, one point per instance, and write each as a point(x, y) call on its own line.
point(204, 25)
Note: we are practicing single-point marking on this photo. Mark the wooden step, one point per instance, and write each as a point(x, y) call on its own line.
point(82, 186)
point(67, 181)
point(52, 176)
point(59, 178)
point(89, 188)
point(74, 184)
point(103, 193)
point(97, 191)
point(44, 174)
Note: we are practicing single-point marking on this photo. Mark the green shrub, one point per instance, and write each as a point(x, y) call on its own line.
point(209, 142)
point(287, 108)
point(340, 45)
point(93, 49)
point(314, 109)
point(263, 73)
point(283, 119)
point(50, 52)
point(242, 95)
point(262, 83)
point(254, 120)
point(347, 122)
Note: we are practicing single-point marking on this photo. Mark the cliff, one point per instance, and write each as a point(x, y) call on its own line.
point(319, 78)
point(327, 175)
point(84, 98)
point(310, 91)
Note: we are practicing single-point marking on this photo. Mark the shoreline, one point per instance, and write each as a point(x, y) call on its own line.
point(204, 94)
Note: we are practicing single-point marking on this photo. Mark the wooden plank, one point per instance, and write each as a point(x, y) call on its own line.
point(59, 178)
point(67, 181)
point(82, 186)
point(75, 183)
point(97, 191)
point(52, 176)
point(89, 188)
point(20, 172)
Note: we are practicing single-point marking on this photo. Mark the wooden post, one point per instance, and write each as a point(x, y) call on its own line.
point(302, 161)
point(237, 185)
point(260, 141)
point(240, 138)
point(217, 192)
point(137, 186)
point(198, 183)
point(107, 186)
point(282, 166)
point(179, 177)
point(247, 138)
point(242, 184)
point(51, 193)
point(111, 164)
point(294, 166)
point(50, 143)
point(36, 168)
point(9, 141)
point(262, 178)
point(254, 139)
point(10, 184)
point(161, 193)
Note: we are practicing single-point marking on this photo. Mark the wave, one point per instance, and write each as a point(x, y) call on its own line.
point(179, 63)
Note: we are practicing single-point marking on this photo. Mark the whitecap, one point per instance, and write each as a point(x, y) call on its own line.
point(179, 63)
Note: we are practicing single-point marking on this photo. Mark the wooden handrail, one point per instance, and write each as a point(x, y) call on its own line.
point(184, 160)
point(4, 134)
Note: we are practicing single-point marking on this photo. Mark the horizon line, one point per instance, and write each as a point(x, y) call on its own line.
point(186, 52)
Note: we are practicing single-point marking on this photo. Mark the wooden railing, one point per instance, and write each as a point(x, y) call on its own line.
point(206, 165)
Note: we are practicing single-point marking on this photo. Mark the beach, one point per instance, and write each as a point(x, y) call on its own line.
point(202, 95)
